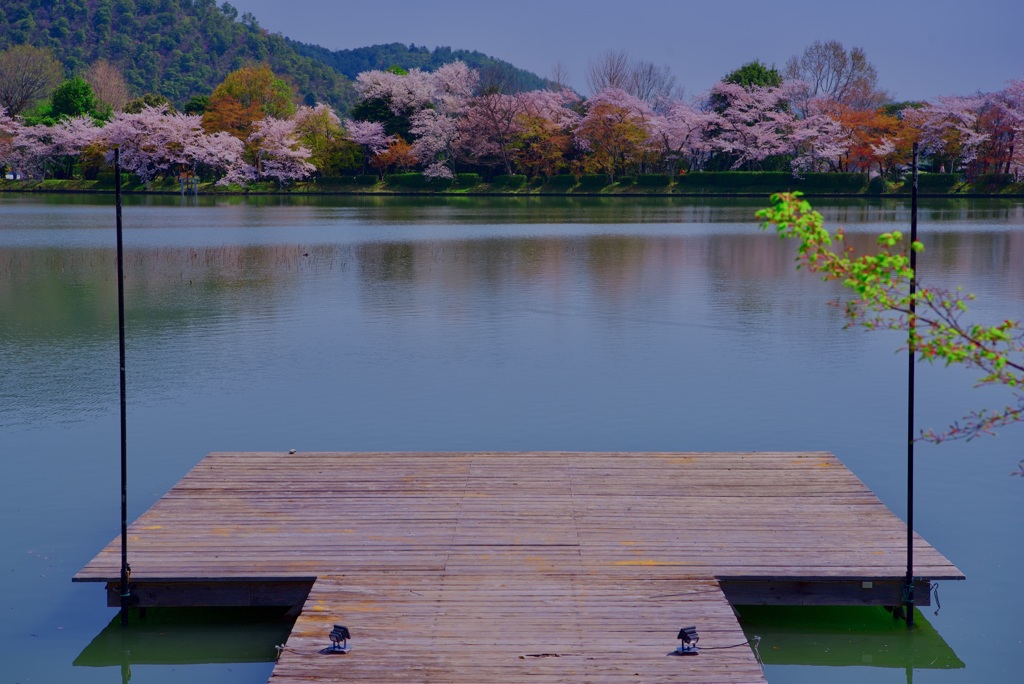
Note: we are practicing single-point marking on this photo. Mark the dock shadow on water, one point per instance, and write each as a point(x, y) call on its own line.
point(845, 637)
point(188, 636)
point(791, 636)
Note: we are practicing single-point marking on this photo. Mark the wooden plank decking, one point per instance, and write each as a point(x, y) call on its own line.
point(544, 628)
point(556, 546)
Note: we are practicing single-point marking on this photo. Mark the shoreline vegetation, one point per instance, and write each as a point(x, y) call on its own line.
point(444, 133)
point(697, 184)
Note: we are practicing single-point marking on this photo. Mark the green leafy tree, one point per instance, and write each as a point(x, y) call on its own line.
point(73, 98)
point(319, 130)
point(197, 104)
point(379, 109)
point(755, 74)
point(881, 298)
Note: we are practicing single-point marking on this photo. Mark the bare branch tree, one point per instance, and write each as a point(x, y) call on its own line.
point(835, 73)
point(27, 74)
point(651, 83)
point(611, 70)
point(108, 84)
point(559, 77)
point(640, 79)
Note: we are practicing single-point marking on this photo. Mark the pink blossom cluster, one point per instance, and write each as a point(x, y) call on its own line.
point(450, 124)
point(614, 131)
point(155, 142)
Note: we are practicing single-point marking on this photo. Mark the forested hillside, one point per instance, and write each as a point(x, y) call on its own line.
point(181, 48)
point(492, 71)
point(177, 48)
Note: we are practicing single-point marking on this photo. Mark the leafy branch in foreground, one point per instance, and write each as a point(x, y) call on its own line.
point(935, 327)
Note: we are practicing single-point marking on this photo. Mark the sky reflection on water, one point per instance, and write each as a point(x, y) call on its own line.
point(373, 324)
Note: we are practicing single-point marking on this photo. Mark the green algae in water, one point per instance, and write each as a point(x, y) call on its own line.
point(841, 636)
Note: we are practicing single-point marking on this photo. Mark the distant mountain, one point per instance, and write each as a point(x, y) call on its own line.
point(178, 48)
point(181, 48)
point(493, 72)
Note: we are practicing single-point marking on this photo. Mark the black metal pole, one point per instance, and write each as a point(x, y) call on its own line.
point(912, 322)
point(125, 592)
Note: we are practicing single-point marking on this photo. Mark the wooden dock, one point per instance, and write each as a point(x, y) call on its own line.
point(495, 567)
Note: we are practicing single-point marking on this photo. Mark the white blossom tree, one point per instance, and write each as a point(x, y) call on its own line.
point(949, 127)
point(10, 127)
point(487, 130)
point(818, 142)
point(754, 122)
point(370, 136)
point(31, 151)
point(682, 133)
point(278, 152)
point(154, 142)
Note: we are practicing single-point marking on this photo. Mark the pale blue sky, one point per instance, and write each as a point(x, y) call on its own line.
point(921, 48)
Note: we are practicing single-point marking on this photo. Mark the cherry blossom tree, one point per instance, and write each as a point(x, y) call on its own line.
point(406, 92)
point(436, 128)
point(70, 138)
point(1014, 97)
point(681, 131)
point(818, 143)
point(453, 87)
point(753, 124)
point(560, 107)
point(154, 142)
point(278, 152)
point(435, 133)
point(948, 128)
point(9, 130)
point(38, 150)
point(978, 134)
point(488, 129)
point(1000, 118)
point(423, 107)
point(370, 136)
point(31, 151)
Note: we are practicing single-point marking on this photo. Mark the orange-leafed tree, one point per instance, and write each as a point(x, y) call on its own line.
point(615, 132)
point(399, 155)
point(246, 96)
point(539, 146)
point(871, 135)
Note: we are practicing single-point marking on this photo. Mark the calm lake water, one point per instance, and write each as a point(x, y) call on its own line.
point(475, 324)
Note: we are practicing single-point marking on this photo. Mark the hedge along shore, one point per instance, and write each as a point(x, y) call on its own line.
point(697, 184)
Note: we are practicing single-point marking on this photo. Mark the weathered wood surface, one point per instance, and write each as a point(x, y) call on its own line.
point(509, 567)
point(517, 628)
point(754, 515)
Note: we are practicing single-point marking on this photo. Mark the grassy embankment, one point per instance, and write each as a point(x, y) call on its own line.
point(704, 184)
